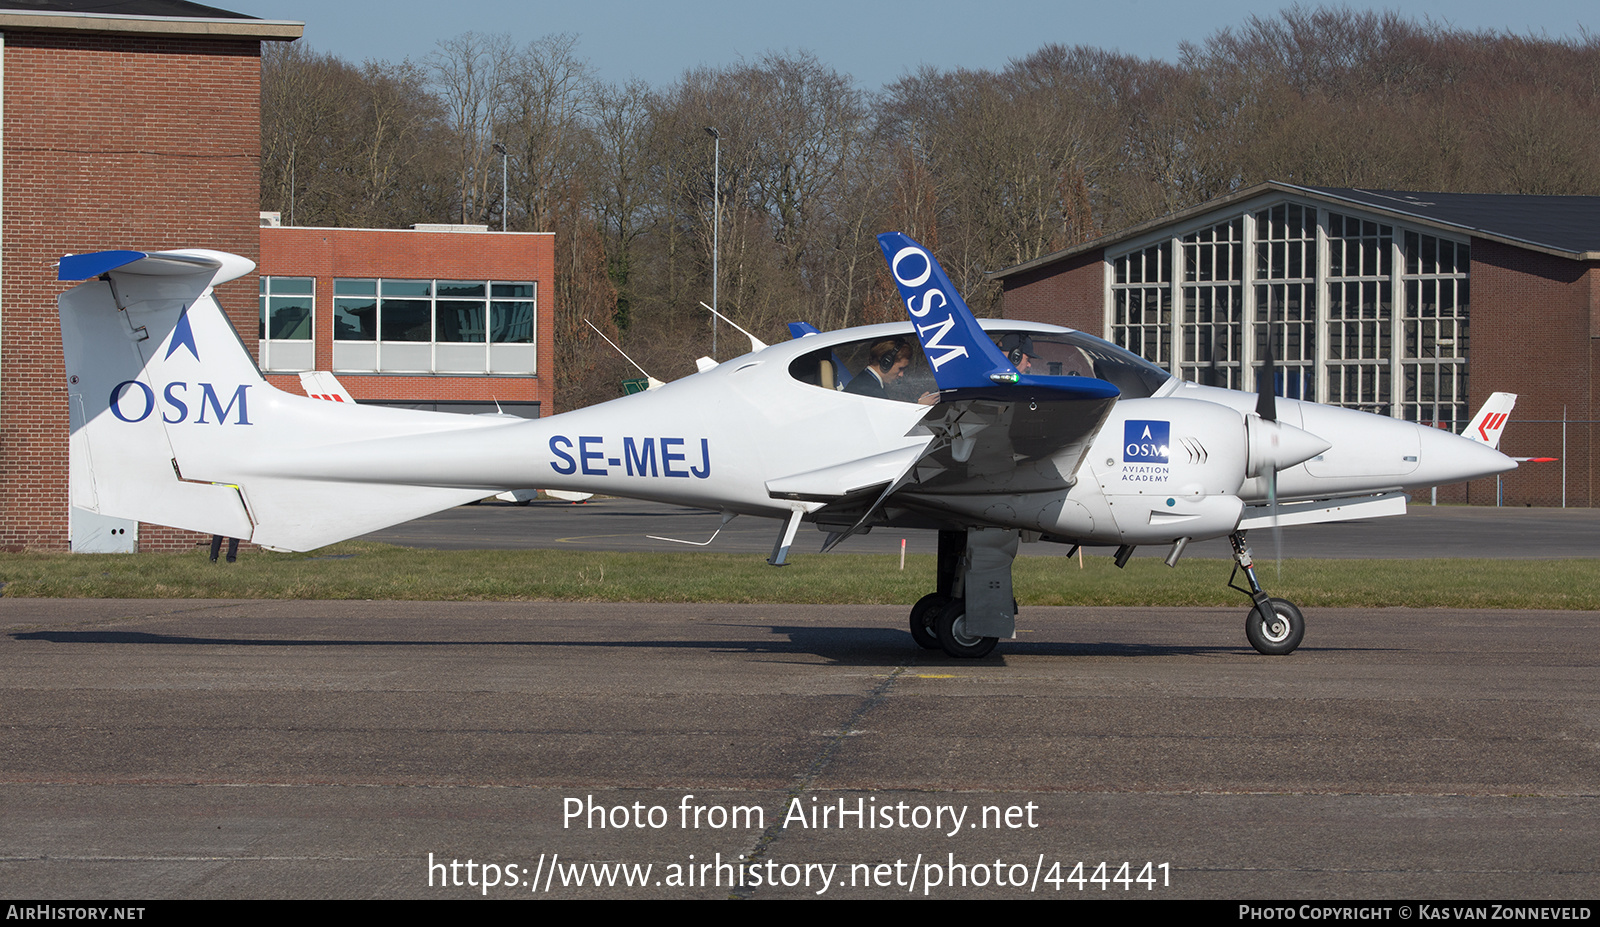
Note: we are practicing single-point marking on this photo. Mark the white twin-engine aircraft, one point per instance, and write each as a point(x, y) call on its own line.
point(988, 431)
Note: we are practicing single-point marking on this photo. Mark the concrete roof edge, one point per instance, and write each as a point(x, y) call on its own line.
point(1183, 215)
point(279, 30)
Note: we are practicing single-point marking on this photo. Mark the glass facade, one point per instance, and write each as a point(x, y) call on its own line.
point(1356, 312)
point(288, 307)
point(434, 326)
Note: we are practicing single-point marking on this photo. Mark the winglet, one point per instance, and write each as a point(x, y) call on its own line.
point(1486, 426)
point(966, 362)
point(957, 348)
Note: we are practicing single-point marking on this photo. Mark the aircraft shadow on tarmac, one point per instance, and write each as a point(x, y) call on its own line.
point(845, 646)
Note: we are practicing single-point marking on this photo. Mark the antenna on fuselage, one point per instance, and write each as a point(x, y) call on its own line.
point(652, 380)
point(756, 344)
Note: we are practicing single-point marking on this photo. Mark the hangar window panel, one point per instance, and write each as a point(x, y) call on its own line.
point(1213, 305)
point(1360, 320)
point(287, 313)
point(1285, 295)
point(1435, 330)
point(1142, 304)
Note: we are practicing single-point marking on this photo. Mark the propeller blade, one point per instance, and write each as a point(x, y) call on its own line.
point(1266, 395)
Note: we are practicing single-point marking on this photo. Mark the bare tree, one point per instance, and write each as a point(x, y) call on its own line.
point(471, 73)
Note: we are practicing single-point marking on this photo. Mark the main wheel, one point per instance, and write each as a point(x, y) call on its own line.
point(923, 616)
point(951, 626)
point(1277, 634)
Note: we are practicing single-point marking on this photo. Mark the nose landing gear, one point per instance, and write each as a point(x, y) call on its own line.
point(1274, 626)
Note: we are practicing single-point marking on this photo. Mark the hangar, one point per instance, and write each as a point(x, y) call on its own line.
point(1414, 305)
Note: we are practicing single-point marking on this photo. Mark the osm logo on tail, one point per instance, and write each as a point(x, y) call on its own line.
point(132, 401)
point(930, 299)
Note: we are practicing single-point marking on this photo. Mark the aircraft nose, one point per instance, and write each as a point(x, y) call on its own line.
point(1449, 458)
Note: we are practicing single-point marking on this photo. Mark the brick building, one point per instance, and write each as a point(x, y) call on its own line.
point(1415, 305)
point(446, 318)
point(134, 126)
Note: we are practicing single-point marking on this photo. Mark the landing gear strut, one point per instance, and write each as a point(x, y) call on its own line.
point(972, 607)
point(1274, 626)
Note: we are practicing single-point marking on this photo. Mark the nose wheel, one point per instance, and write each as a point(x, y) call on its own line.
point(1275, 632)
point(1274, 626)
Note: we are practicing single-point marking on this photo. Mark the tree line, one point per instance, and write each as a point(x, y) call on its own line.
point(989, 168)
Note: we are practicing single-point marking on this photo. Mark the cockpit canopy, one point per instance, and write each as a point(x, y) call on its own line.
point(1054, 354)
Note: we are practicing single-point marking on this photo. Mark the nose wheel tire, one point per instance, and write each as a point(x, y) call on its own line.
point(951, 628)
point(924, 615)
point(1278, 633)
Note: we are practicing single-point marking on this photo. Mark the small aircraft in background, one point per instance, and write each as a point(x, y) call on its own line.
point(990, 432)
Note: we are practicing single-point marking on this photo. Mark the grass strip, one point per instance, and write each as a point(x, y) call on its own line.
point(369, 570)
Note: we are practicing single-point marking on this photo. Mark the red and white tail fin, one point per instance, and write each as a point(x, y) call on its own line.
point(1486, 426)
point(321, 384)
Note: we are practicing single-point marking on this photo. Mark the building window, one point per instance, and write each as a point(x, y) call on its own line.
point(1213, 305)
point(434, 326)
point(1360, 314)
point(1286, 299)
point(1433, 359)
point(287, 311)
point(1142, 304)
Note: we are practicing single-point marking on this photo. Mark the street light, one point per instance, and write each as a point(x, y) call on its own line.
point(716, 225)
point(505, 204)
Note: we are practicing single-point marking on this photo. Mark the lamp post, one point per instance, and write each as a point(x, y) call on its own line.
point(716, 225)
point(505, 203)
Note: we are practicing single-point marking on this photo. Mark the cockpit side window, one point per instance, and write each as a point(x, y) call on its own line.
point(836, 366)
point(1075, 354)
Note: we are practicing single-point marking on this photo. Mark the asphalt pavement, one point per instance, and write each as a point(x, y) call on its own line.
point(279, 749)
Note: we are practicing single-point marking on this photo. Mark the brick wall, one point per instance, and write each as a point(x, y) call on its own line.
point(1532, 334)
point(1070, 293)
point(111, 141)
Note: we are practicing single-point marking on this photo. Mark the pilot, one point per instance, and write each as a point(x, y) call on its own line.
point(1018, 349)
point(889, 360)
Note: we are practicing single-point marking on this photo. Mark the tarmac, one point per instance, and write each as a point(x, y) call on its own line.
point(171, 749)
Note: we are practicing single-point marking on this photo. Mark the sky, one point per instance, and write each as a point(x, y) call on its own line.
point(874, 41)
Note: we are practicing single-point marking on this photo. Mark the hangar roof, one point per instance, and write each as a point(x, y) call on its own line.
point(1565, 226)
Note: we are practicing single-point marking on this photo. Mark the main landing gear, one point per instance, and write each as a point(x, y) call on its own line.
point(1274, 626)
point(973, 606)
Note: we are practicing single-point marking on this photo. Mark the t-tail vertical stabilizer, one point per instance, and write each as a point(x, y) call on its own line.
point(172, 423)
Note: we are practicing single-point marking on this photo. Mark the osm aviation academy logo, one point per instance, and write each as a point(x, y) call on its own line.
point(1144, 451)
point(1145, 441)
point(133, 401)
